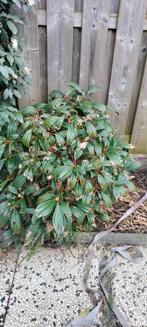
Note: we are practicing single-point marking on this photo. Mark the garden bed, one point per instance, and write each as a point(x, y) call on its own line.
point(137, 221)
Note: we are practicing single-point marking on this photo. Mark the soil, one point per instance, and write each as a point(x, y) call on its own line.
point(137, 221)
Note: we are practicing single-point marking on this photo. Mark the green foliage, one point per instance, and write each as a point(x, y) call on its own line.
point(61, 167)
point(14, 76)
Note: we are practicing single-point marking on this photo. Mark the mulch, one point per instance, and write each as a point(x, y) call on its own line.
point(137, 221)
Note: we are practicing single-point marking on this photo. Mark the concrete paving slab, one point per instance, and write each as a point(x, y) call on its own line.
point(48, 289)
point(129, 289)
point(7, 268)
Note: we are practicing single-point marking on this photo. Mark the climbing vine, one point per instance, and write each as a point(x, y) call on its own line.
point(14, 74)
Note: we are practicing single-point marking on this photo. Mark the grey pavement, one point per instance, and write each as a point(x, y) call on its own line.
point(48, 290)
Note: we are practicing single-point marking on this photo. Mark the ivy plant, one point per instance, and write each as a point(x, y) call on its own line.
point(14, 75)
point(61, 168)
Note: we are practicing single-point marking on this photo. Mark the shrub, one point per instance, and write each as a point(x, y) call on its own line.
point(61, 168)
point(14, 76)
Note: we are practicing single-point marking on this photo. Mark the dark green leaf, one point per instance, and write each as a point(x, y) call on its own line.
point(75, 86)
point(92, 89)
point(27, 138)
point(12, 27)
point(15, 222)
point(91, 130)
point(2, 148)
point(58, 220)
point(66, 172)
point(44, 209)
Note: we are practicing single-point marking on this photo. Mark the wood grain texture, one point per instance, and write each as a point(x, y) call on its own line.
point(30, 40)
point(43, 62)
point(60, 43)
point(41, 4)
point(94, 45)
point(126, 55)
point(137, 83)
point(139, 134)
point(78, 5)
point(78, 17)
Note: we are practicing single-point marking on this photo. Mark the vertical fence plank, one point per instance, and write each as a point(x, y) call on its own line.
point(93, 69)
point(126, 55)
point(43, 62)
point(139, 135)
point(30, 40)
point(60, 16)
point(137, 84)
point(77, 45)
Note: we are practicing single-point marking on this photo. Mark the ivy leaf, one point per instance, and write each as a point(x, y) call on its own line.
point(12, 27)
point(27, 138)
point(15, 222)
point(58, 220)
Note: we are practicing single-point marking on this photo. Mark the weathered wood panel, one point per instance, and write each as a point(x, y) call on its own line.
point(78, 17)
point(139, 135)
point(30, 41)
point(137, 84)
point(93, 68)
point(43, 62)
point(60, 42)
point(77, 33)
point(128, 39)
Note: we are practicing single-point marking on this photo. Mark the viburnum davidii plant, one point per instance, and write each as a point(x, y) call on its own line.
point(14, 75)
point(61, 168)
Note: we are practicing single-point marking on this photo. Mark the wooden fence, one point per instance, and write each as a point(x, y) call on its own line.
point(99, 42)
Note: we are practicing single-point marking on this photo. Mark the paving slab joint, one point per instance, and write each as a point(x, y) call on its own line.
point(10, 290)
